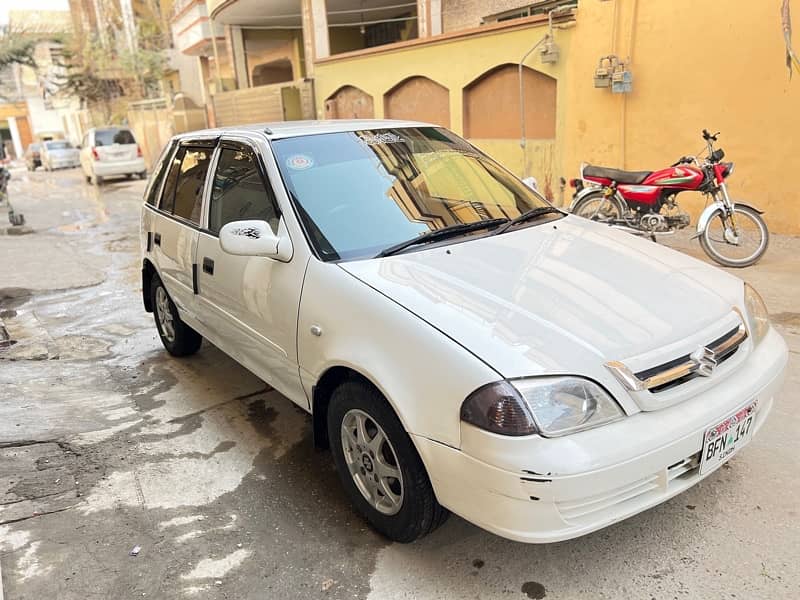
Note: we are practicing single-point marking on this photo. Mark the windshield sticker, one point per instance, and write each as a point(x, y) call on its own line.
point(381, 138)
point(299, 162)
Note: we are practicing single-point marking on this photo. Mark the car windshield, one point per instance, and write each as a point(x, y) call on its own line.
point(58, 145)
point(361, 192)
point(107, 137)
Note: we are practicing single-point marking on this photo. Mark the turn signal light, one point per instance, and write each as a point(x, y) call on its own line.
point(138, 151)
point(95, 155)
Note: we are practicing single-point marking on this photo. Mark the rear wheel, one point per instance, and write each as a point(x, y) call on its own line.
point(143, 175)
point(739, 246)
point(597, 207)
point(378, 465)
point(178, 338)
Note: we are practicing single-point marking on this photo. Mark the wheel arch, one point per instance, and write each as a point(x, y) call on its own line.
point(321, 394)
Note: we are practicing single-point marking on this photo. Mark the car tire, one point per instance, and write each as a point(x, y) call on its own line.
point(143, 175)
point(97, 180)
point(178, 338)
point(418, 513)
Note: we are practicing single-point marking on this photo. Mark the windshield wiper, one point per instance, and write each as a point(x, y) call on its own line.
point(529, 215)
point(441, 234)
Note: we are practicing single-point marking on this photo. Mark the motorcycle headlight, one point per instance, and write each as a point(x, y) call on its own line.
point(757, 315)
point(552, 406)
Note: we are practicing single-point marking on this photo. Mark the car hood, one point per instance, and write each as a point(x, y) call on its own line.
point(558, 297)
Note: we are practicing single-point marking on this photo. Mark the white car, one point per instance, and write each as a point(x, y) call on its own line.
point(461, 344)
point(111, 152)
point(58, 154)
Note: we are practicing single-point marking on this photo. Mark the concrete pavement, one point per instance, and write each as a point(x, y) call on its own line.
point(107, 443)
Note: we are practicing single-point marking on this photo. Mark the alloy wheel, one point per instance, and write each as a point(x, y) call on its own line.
point(372, 462)
point(164, 315)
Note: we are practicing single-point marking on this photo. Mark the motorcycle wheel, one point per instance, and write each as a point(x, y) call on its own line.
point(596, 207)
point(740, 250)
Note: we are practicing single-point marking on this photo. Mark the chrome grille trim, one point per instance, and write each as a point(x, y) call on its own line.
point(701, 362)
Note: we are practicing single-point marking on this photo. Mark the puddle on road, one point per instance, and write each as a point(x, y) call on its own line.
point(81, 347)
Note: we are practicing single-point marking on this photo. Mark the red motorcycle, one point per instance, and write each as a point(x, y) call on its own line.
point(644, 203)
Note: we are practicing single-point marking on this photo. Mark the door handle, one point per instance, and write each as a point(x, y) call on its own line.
point(208, 265)
point(157, 239)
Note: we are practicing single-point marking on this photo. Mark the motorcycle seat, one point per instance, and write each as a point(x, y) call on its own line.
point(616, 174)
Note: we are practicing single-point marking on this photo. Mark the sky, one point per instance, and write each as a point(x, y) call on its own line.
point(6, 5)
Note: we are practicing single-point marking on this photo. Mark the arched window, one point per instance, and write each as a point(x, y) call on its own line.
point(349, 102)
point(491, 104)
point(418, 99)
point(276, 71)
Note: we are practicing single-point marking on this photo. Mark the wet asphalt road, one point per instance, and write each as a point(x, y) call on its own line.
point(107, 443)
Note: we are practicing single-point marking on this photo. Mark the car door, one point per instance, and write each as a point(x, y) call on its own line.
point(250, 303)
point(177, 222)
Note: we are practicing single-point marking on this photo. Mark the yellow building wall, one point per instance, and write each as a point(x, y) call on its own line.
point(695, 63)
point(453, 63)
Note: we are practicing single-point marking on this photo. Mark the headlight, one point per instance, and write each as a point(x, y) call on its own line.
point(552, 406)
point(757, 315)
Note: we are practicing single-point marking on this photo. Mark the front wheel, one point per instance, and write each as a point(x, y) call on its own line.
point(738, 243)
point(379, 466)
point(597, 207)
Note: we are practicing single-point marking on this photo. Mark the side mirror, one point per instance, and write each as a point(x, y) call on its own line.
point(254, 238)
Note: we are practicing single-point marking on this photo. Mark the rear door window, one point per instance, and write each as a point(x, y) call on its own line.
point(108, 137)
point(240, 192)
point(191, 178)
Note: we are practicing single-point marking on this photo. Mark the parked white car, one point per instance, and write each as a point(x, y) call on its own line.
point(461, 344)
point(58, 154)
point(111, 152)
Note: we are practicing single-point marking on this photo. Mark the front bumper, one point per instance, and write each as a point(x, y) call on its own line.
point(541, 490)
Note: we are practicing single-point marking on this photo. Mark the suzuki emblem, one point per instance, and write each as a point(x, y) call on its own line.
point(706, 360)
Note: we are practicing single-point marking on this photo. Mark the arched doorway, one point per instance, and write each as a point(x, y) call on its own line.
point(276, 71)
point(349, 102)
point(418, 99)
point(491, 104)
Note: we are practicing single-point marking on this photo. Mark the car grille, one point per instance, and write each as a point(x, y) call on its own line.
point(684, 368)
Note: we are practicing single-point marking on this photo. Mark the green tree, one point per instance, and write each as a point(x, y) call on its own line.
point(16, 48)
